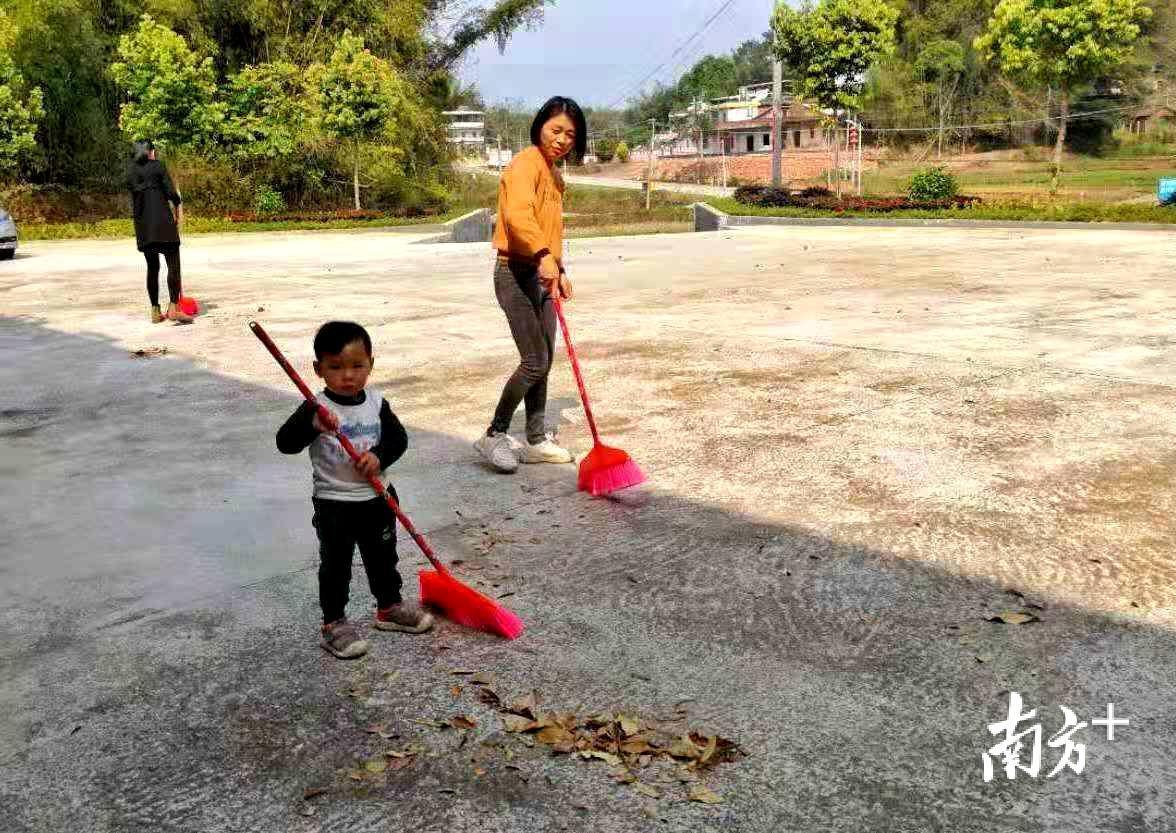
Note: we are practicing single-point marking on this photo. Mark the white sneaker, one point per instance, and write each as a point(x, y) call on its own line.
point(497, 451)
point(545, 452)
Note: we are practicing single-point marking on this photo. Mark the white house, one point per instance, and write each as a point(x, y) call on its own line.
point(466, 131)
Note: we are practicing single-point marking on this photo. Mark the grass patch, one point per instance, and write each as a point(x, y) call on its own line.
point(1083, 178)
point(1060, 212)
point(114, 229)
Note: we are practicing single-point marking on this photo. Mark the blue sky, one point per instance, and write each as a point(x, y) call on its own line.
point(596, 51)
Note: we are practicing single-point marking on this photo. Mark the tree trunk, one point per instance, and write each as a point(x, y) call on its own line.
point(837, 149)
point(355, 179)
point(942, 116)
point(1063, 123)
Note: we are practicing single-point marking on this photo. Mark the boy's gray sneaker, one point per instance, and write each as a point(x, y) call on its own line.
point(497, 451)
point(342, 639)
point(403, 617)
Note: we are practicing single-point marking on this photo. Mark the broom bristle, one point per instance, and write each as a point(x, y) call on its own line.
point(467, 606)
point(606, 470)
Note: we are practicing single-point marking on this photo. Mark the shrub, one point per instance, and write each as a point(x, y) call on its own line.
point(932, 184)
point(767, 197)
point(622, 152)
point(606, 149)
point(268, 201)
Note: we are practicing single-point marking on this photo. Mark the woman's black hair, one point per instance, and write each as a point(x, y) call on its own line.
point(141, 149)
point(565, 106)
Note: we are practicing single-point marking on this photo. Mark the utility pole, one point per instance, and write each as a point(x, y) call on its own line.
point(698, 121)
point(777, 119)
point(649, 179)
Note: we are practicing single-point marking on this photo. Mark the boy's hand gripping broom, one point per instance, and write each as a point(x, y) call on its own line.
point(439, 588)
point(604, 470)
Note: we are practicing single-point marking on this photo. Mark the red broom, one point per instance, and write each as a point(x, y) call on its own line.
point(439, 588)
point(605, 470)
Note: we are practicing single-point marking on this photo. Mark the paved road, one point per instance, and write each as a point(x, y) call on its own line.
point(636, 185)
point(862, 445)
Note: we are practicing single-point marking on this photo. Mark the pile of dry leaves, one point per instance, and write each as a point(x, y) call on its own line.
point(627, 744)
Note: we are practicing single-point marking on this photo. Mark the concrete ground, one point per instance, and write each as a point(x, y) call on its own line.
point(862, 444)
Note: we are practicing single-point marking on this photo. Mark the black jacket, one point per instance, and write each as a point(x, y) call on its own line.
point(151, 191)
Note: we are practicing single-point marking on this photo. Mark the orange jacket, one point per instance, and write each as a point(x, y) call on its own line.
point(530, 208)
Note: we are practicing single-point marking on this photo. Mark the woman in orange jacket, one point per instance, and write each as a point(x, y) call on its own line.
point(529, 240)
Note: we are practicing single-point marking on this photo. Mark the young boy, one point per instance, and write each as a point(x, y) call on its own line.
point(346, 509)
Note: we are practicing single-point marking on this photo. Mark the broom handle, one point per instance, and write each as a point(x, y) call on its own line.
point(575, 366)
point(324, 416)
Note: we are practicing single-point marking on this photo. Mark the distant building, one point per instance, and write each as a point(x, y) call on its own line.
point(466, 131)
point(1147, 118)
point(742, 123)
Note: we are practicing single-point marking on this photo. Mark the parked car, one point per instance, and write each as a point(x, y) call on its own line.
point(7, 236)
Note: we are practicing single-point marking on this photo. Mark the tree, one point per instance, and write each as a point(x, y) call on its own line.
point(753, 61)
point(362, 99)
point(941, 66)
point(266, 112)
point(171, 90)
point(831, 46)
point(1061, 45)
point(711, 77)
point(20, 107)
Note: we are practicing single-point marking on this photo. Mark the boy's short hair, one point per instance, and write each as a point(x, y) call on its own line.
point(333, 336)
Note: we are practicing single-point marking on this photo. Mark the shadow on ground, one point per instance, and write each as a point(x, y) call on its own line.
point(160, 670)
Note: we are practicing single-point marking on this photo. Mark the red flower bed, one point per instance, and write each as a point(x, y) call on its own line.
point(781, 198)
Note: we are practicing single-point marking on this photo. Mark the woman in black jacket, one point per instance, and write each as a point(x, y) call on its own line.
point(158, 216)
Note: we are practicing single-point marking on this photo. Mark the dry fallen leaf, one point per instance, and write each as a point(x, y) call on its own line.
point(307, 810)
point(462, 672)
point(376, 765)
point(400, 763)
point(314, 792)
point(647, 789)
point(483, 678)
point(984, 657)
point(356, 775)
point(607, 757)
point(623, 776)
point(1013, 617)
point(629, 725)
point(375, 729)
point(551, 735)
point(703, 795)
point(526, 706)
point(683, 747)
point(517, 723)
point(461, 721)
point(455, 691)
point(490, 697)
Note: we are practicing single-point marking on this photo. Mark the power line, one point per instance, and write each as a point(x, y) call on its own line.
point(997, 124)
point(726, 4)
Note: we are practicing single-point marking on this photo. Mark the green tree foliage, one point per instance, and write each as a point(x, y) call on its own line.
point(20, 107)
point(710, 78)
point(170, 90)
point(1061, 45)
point(362, 99)
point(267, 112)
point(831, 47)
point(941, 66)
